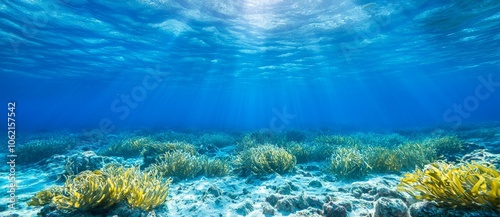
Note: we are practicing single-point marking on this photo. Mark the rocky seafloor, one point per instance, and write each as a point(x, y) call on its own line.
point(308, 190)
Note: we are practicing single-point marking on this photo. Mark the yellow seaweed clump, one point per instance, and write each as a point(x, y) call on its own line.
point(213, 168)
point(180, 164)
point(86, 191)
point(44, 197)
point(349, 163)
point(147, 190)
point(466, 185)
point(99, 190)
point(266, 159)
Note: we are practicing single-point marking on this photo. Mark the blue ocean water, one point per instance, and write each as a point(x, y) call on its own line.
point(250, 64)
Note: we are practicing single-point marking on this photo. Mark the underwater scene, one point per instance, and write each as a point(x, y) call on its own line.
point(232, 108)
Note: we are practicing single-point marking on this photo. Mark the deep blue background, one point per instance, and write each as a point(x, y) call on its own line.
point(229, 64)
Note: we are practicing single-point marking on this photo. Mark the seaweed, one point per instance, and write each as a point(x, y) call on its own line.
point(309, 152)
point(349, 163)
point(180, 164)
point(336, 140)
point(97, 191)
point(446, 145)
point(402, 157)
point(128, 148)
point(213, 168)
point(265, 159)
point(35, 150)
point(468, 185)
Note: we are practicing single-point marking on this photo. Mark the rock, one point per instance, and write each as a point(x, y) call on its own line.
point(300, 202)
point(213, 190)
point(245, 191)
point(332, 209)
point(387, 207)
point(309, 212)
point(389, 193)
point(482, 155)
point(291, 204)
point(267, 209)
point(329, 178)
point(315, 184)
point(356, 193)
point(123, 210)
point(312, 168)
point(245, 208)
point(273, 199)
point(422, 209)
point(285, 204)
point(347, 204)
point(367, 197)
point(286, 189)
point(426, 209)
point(363, 187)
point(314, 202)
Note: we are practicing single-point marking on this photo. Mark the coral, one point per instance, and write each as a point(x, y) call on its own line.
point(266, 159)
point(348, 163)
point(178, 164)
point(466, 185)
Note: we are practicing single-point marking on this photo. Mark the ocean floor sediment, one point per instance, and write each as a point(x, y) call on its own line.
point(313, 183)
